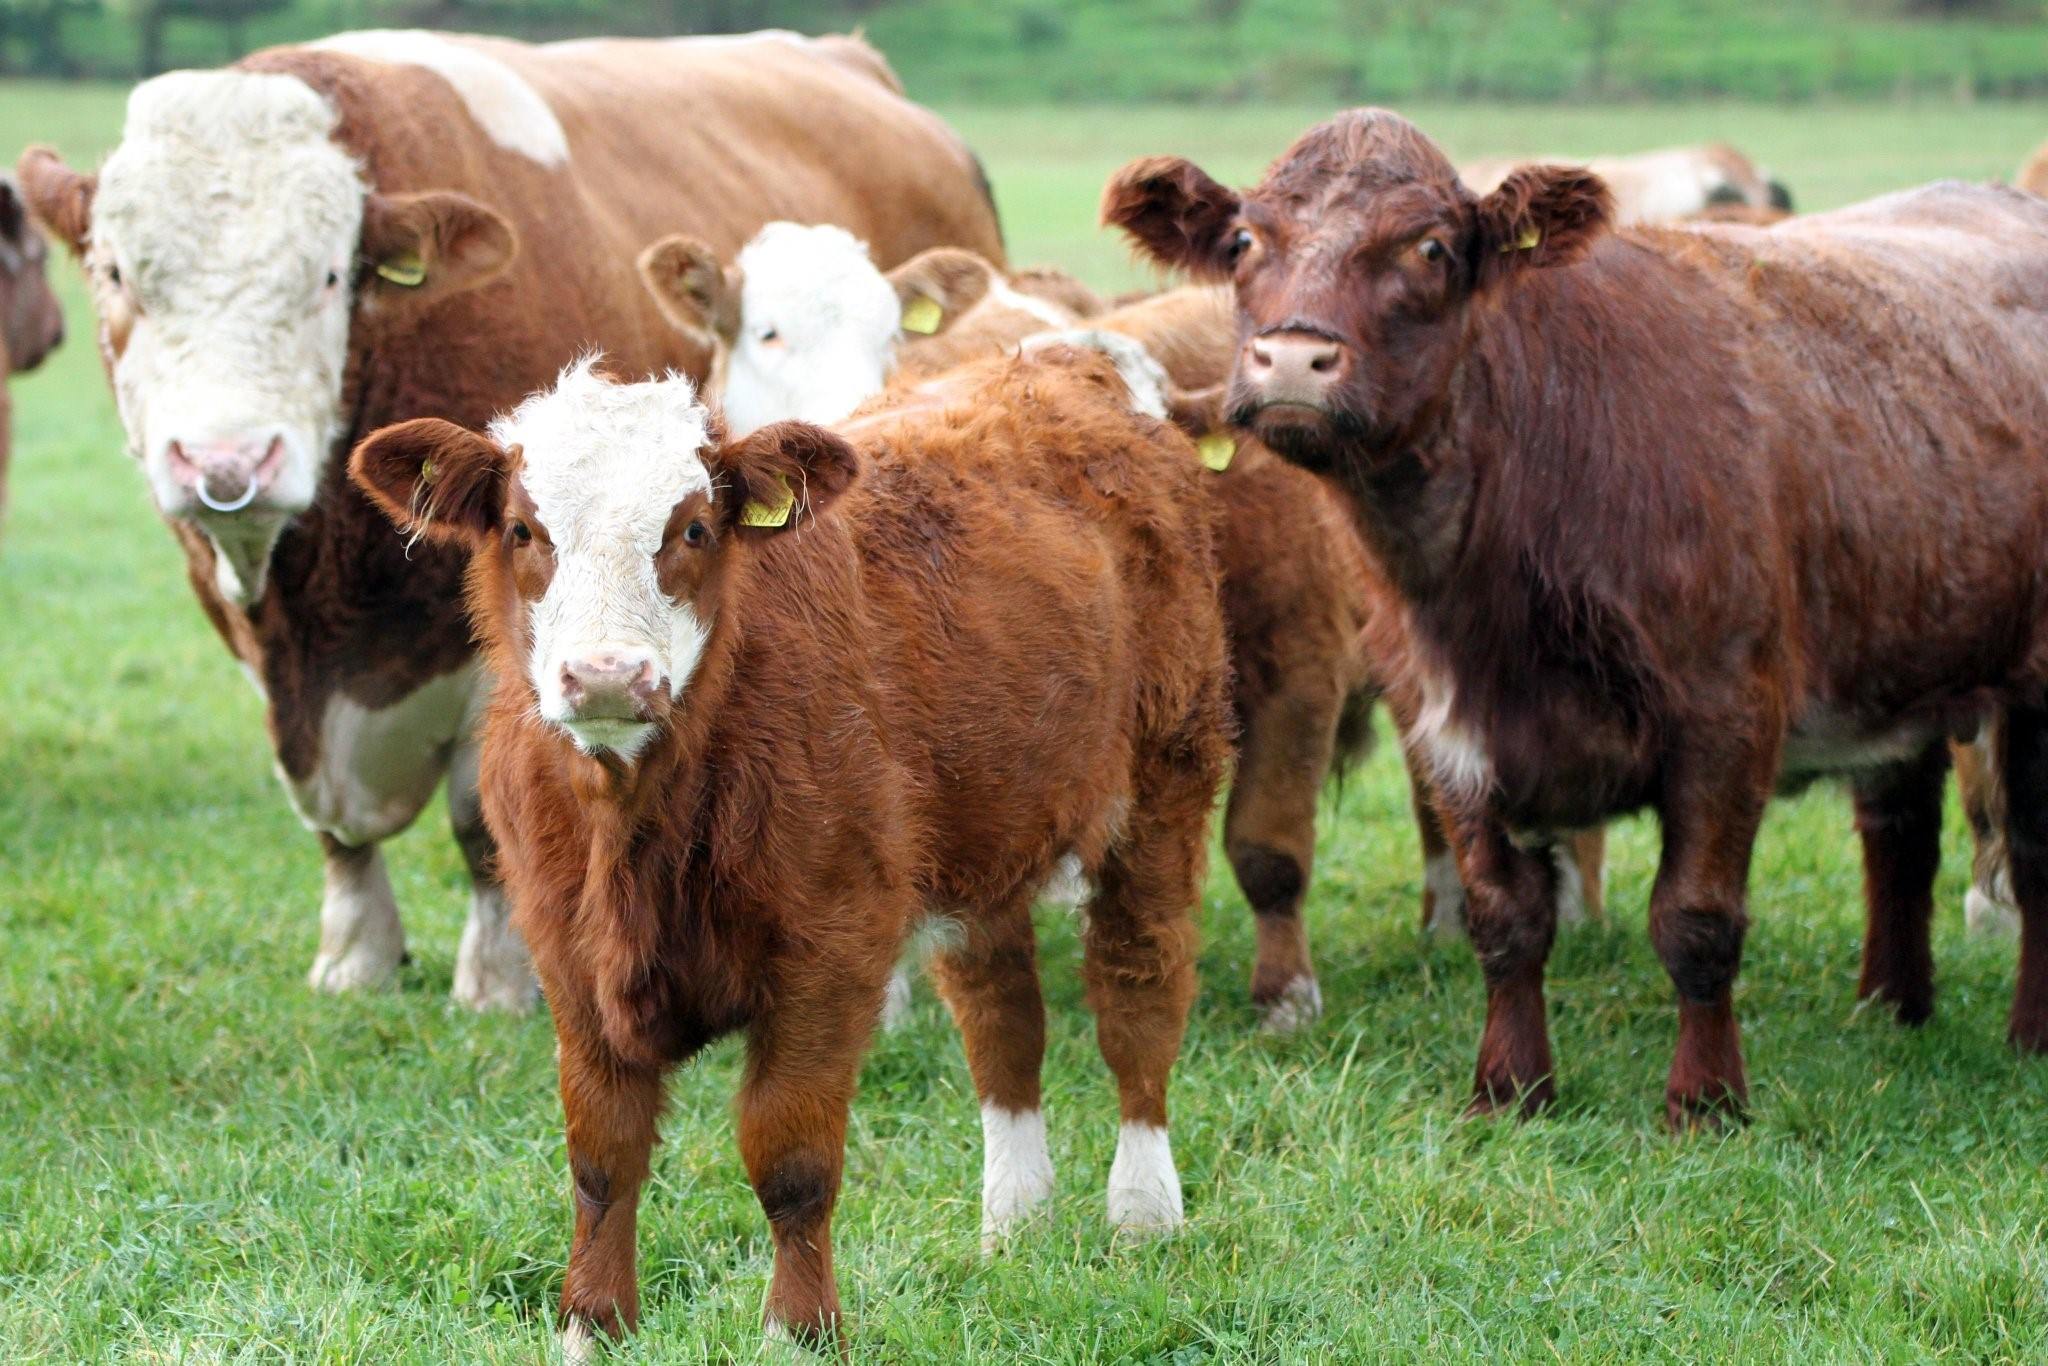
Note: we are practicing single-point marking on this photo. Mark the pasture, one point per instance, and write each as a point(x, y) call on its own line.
point(207, 1162)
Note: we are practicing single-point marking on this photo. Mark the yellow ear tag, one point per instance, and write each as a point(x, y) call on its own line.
point(758, 513)
point(922, 316)
point(407, 272)
point(1216, 451)
point(426, 471)
point(1530, 239)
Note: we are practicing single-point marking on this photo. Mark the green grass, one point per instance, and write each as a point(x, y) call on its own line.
point(204, 1161)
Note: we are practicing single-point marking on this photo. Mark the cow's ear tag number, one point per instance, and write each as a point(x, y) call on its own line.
point(770, 512)
point(922, 315)
point(407, 272)
point(1217, 451)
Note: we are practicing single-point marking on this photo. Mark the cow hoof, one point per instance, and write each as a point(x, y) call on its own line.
point(496, 976)
point(1144, 1187)
point(1298, 1005)
point(361, 968)
point(1988, 915)
point(1503, 1095)
point(2029, 1036)
point(1705, 1111)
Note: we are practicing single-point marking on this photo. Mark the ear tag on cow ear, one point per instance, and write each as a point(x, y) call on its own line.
point(1217, 450)
point(407, 271)
point(765, 514)
point(1531, 238)
point(922, 315)
point(426, 471)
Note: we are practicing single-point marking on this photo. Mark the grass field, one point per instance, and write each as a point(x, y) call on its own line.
point(205, 1162)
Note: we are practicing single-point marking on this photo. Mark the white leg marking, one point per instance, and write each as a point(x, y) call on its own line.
point(579, 1344)
point(1299, 1004)
point(492, 970)
point(1144, 1188)
point(1446, 896)
point(1989, 910)
point(1068, 887)
point(1016, 1170)
point(896, 1000)
point(361, 941)
point(1571, 886)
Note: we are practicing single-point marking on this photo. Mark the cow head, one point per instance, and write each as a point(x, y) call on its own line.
point(1358, 263)
point(231, 244)
point(31, 322)
point(605, 523)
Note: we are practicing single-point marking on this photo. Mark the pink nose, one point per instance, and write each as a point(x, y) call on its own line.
point(226, 476)
point(610, 682)
point(1293, 367)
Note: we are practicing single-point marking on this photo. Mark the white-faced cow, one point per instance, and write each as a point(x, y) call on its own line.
point(1712, 181)
point(320, 240)
point(1677, 516)
point(757, 718)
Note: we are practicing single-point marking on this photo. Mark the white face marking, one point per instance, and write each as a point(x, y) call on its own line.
point(818, 328)
point(605, 465)
point(361, 940)
point(1145, 377)
point(1016, 1170)
point(1446, 895)
point(508, 109)
point(1456, 756)
point(223, 239)
point(1144, 1188)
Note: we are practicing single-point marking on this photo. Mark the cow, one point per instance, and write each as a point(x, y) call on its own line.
point(1712, 182)
point(2032, 175)
point(1676, 517)
point(323, 239)
point(1298, 589)
point(31, 321)
point(757, 717)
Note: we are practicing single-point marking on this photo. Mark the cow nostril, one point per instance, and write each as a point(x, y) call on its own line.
point(1261, 357)
point(1324, 362)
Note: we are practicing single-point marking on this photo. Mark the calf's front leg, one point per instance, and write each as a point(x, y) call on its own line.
point(2023, 762)
point(611, 1107)
point(1511, 916)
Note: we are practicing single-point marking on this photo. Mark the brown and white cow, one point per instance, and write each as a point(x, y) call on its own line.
point(31, 322)
point(815, 327)
point(758, 718)
point(320, 240)
point(1712, 182)
point(1677, 516)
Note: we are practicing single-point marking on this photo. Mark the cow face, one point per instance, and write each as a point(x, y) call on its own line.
point(606, 521)
point(31, 322)
point(230, 244)
point(1357, 264)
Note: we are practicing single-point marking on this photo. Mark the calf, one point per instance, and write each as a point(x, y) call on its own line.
point(31, 323)
point(1712, 181)
point(1298, 589)
point(1660, 508)
point(757, 719)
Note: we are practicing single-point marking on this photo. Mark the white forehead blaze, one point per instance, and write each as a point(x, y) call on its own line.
point(508, 109)
point(605, 464)
point(818, 328)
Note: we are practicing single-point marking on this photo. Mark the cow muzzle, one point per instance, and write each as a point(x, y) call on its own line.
point(226, 476)
point(615, 684)
point(1292, 369)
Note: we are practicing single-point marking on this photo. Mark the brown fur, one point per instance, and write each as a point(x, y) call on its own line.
point(1625, 601)
point(999, 644)
point(31, 322)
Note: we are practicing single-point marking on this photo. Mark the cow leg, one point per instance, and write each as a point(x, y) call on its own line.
point(611, 1107)
point(361, 941)
point(1269, 833)
point(1139, 963)
point(2023, 764)
point(1581, 875)
point(1511, 915)
point(1988, 906)
point(492, 970)
point(990, 982)
point(1898, 817)
point(1713, 803)
point(1443, 891)
point(802, 1064)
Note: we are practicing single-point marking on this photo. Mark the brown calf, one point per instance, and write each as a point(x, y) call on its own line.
point(1673, 516)
point(730, 768)
point(31, 323)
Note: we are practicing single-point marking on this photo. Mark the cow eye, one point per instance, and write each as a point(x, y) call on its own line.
point(333, 278)
point(1431, 250)
point(770, 337)
point(695, 536)
point(1241, 243)
point(114, 276)
point(521, 533)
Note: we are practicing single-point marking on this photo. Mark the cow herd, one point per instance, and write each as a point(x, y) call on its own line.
point(650, 439)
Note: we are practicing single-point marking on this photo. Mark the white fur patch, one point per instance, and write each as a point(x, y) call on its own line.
point(1299, 1005)
point(1005, 295)
point(818, 328)
point(1016, 1169)
point(579, 1344)
point(509, 110)
point(1144, 1188)
point(377, 769)
point(218, 223)
point(605, 464)
point(1571, 886)
point(896, 1000)
point(1457, 757)
point(1068, 887)
point(361, 940)
point(1145, 377)
point(1990, 910)
point(1447, 895)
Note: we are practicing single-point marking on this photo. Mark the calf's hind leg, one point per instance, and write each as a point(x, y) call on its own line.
point(1898, 817)
point(2023, 762)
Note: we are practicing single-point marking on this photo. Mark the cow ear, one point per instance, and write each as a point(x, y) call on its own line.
point(1541, 216)
point(693, 288)
point(434, 479)
point(937, 286)
point(1174, 213)
point(421, 247)
point(781, 475)
point(58, 195)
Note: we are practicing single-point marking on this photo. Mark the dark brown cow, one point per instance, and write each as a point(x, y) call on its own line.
point(31, 323)
point(320, 240)
point(731, 769)
point(1677, 516)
